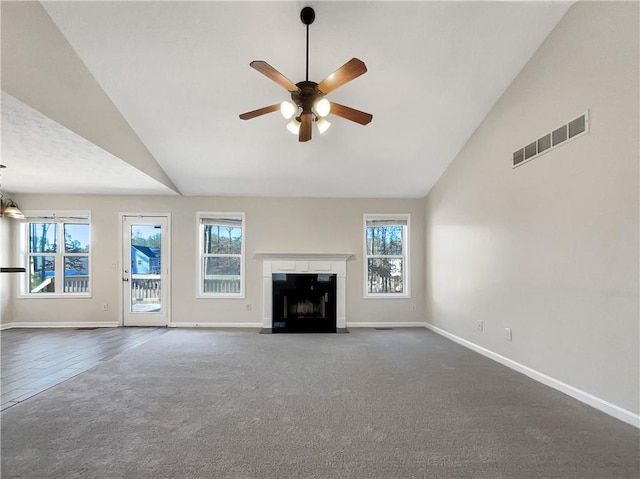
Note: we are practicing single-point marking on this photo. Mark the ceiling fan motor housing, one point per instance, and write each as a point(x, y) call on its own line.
point(307, 96)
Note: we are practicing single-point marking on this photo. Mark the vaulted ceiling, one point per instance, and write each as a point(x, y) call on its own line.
point(144, 97)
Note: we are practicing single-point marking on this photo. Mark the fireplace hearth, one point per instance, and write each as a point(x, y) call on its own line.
point(304, 303)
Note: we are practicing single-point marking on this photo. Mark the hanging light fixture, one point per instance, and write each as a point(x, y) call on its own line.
point(10, 209)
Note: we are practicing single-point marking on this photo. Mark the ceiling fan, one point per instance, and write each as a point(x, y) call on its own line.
point(309, 104)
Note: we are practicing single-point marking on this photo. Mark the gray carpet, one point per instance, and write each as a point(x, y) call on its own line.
point(370, 404)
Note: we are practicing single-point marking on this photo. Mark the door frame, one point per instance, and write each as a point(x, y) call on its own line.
point(121, 218)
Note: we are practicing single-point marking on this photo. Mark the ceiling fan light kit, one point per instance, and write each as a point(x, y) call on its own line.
point(308, 103)
point(287, 109)
point(322, 107)
point(294, 126)
point(323, 125)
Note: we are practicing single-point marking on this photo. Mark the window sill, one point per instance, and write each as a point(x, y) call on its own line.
point(55, 296)
point(387, 296)
point(220, 296)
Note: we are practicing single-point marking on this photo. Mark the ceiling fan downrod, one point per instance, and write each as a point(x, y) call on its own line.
point(307, 94)
point(307, 15)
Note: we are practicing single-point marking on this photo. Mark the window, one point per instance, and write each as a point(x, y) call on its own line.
point(57, 249)
point(221, 255)
point(386, 251)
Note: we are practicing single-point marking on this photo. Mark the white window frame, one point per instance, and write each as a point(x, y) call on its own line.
point(406, 279)
point(60, 218)
point(207, 215)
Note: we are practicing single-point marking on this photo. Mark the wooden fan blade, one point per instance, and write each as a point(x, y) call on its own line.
point(351, 114)
point(305, 127)
point(262, 111)
point(273, 74)
point(347, 72)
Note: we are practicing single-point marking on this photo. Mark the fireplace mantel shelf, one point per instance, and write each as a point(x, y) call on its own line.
point(272, 256)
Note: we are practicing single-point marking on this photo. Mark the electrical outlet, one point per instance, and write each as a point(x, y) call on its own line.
point(414, 307)
point(479, 326)
point(114, 265)
point(248, 306)
point(507, 334)
point(105, 307)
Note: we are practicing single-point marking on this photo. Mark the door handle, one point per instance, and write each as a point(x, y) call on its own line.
point(125, 279)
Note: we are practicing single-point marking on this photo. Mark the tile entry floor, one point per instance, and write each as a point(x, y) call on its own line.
point(33, 360)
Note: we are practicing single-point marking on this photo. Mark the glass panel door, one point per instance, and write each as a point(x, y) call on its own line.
point(145, 271)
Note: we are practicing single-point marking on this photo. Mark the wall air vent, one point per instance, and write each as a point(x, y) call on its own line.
point(550, 141)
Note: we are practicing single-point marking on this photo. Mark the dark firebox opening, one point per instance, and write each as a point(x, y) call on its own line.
point(304, 303)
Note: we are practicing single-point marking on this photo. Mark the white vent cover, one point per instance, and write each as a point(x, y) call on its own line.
point(549, 141)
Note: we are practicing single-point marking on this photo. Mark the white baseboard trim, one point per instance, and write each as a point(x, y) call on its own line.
point(357, 324)
point(6, 326)
point(83, 324)
point(216, 325)
point(260, 325)
point(582, 396)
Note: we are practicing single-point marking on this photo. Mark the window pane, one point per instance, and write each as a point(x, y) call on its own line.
point(220, 239)
point(222, 275)
point(42, 274)
point(384, 240)
point(146, 295)
point(76, 238)
point(76, 274)
point(385, 275)
point(146, 250)
point(42, 238)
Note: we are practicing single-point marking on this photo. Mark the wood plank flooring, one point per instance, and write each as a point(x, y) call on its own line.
point(33, 360)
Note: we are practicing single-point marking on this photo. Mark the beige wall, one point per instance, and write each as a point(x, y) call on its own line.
point(6, 279)
point(550, 249)
point(272, 225)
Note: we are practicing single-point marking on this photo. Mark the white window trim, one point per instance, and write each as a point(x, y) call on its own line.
point(48, 216)
point(199, 254)
point(405, 256)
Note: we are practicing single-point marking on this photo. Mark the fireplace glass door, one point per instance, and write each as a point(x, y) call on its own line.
point(304, 303)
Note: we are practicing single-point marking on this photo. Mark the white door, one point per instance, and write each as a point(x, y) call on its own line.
point(145, 270)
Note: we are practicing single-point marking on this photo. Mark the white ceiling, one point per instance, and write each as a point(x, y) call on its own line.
point(179, 74)
point(48, 146)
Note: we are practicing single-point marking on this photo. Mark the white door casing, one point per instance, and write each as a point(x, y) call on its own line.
point(145, 270)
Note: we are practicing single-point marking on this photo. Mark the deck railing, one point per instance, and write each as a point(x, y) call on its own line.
point(222, 283)
point(150, 288)
point(145, 289)
point(76, 284)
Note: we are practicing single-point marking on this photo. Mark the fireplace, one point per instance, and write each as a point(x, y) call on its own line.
point(304, 303)
point(326, 273)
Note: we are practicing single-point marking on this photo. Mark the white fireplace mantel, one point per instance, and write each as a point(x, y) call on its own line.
point(304, 263)
point(268, 256)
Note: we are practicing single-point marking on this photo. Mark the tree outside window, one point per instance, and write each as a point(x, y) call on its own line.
point(221, 254)
point(386, 239)
point(58, 255)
